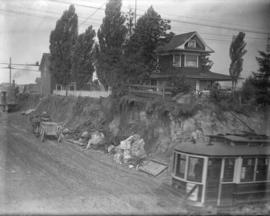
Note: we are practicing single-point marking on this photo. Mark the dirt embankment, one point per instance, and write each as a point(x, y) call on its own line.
point(160, 132)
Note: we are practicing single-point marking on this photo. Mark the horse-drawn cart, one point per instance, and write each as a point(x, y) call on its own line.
point(52, 129)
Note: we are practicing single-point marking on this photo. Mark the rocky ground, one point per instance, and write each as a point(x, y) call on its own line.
point(61, 178)
point(52, 178)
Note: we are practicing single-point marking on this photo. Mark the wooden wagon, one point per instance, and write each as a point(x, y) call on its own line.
point(51, 129)
point(228, 170)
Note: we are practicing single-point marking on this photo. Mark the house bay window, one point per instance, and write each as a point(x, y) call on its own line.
point(176, 60)
point(191, 60)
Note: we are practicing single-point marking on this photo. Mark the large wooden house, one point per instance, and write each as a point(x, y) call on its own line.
point(183, 56)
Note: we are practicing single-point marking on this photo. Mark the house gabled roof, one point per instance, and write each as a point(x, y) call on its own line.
point(45, 58)
point(178, 43)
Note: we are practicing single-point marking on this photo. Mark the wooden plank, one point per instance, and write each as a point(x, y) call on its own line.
point(153, 168)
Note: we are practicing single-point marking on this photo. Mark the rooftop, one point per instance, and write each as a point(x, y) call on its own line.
point(179, 40)
point(229, 145)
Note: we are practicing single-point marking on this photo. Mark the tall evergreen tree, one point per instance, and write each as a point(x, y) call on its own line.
point(237, 51)
point(82, 65)
point(262, 79)
point(62, 41)
point(111, 36)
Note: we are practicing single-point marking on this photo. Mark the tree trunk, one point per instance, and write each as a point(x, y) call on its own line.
point(233, 87)
point(66, 90)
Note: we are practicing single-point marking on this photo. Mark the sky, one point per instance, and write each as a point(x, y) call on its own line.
point(26, 26)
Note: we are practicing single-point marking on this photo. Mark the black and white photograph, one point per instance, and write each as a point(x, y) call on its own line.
point(134, 107)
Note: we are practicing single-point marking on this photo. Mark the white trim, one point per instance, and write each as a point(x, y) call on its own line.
point(185, 180)
point(186, 167)
point(255, 168)
point(220, 181)
point(237, 171)
point(204, 180)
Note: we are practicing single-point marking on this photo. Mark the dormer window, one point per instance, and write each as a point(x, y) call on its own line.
point(176, 60)
point(192, 44)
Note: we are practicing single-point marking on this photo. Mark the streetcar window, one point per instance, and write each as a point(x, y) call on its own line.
point(181, 165)
point(247, 169)
point(195, 169)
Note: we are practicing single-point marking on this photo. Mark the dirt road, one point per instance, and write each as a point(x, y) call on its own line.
point(52, 178)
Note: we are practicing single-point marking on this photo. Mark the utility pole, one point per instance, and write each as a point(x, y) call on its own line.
point(268, 44)
point(9, 66)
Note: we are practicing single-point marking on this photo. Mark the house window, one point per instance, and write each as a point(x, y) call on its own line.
point(191, 61)
point(180, 165)
point(192, 44)
point(176, 60)
point(195, 169)
point(58, 87)
point(72, 86)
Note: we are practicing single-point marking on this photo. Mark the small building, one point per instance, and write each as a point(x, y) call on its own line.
point(227, 170)
point(47, 81)
point(183, 56)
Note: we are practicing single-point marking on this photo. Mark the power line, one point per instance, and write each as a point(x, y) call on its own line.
point(174, 20)
point(182, 21)
point(77, 4)
point(92, 14)
point(198, 18)
point(34, 15)
point(217, 26)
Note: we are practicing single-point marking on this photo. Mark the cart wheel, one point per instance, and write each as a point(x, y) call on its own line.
point(42, 135)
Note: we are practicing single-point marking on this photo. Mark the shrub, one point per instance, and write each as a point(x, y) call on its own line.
point(248, 91)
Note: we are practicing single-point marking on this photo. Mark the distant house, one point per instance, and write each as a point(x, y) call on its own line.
point(47, 82)
point(182, 56)
point(32, 88)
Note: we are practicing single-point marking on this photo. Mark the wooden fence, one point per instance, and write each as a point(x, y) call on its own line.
point(93, 94)
point(150, 90)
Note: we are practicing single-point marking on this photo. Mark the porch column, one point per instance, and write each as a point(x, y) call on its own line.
point(197, 87)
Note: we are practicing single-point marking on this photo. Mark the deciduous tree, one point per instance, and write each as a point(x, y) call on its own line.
point(237, 51)
point(262, 79)
point(62, 41)
point(150, 32)
point(111, 36)
point(83, 58)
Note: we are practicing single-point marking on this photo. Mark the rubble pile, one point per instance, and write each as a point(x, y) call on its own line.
point(130, 150)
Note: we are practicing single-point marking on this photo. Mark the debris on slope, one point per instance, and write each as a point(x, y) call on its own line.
point(135, 133)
